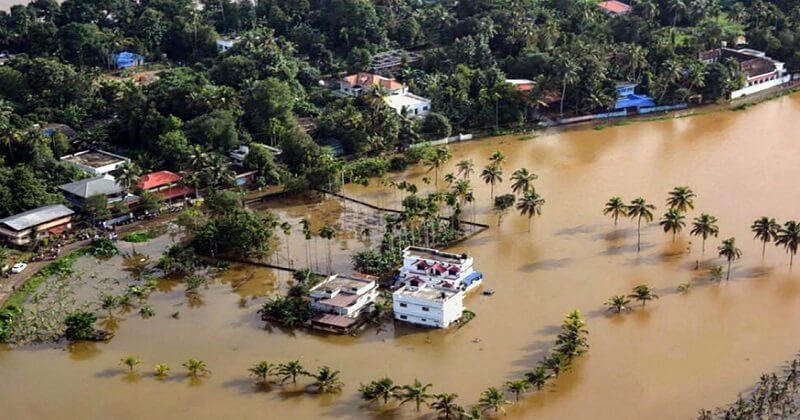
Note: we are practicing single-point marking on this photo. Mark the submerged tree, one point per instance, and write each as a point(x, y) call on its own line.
point(640, 210)
point(492, 175)
point(493, 399)
point(643, 294)
point(789, 237)
point(416, 392)
point(130, 362)
point(672, 221)
point(327, 381)
point(765, 229)
point(530, 205)
point(446, 407)
point(262, 371)
point(291, 370)
point(196, 368)
point(383, 389)
point(618, 303)
point(522, 181)
point(616, 208)
point(730, 252)
point(517, 387)
point(704, 226)
point(681, 199)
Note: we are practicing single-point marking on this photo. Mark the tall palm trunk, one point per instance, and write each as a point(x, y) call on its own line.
point(563, 94)
point(729, 269)
point(639, 235)
point(763, 250)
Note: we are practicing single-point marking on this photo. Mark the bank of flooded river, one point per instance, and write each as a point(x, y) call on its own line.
point(682, 353)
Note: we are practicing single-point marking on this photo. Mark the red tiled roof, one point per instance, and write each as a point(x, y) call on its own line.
point(439, 268)
point(615, 7)
point(175, 192)
point(340, 300)
point(334, 320)
point(157, 179)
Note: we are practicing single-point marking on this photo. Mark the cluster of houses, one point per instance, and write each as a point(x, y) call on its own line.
point(428, 291)
point(761, 72)
point(100, 166)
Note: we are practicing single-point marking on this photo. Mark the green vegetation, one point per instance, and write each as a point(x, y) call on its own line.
point(142, 236)
point(80, 326)
point(60, 267)
point(196, 368)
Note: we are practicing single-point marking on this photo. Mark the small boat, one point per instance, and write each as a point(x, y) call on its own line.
point(488, 292)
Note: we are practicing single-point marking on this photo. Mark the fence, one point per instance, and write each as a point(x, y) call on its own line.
point(663, 108)
point(446, 140)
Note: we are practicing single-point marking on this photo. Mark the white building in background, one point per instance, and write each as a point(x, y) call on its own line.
point(427, 305)
point(397, 95)
point(344, 295)
point(761, 72)
point(438, 269)
point(224, 44)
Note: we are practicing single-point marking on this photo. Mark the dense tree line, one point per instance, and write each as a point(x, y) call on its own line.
point(204, 102)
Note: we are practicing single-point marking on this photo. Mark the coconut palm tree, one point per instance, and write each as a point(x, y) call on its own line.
point(286, 228)
point(161, 370)
point(789, 237)
point(618, 303)
point(530, 205)
point(328, 233)
point(642, 293)
point(522, 180)
point(262, 371)
point(681, 199)
point(436, 160)
point(196, 368)
point(291, 370)
point(615, 207)
point(730, 252)
point(555, 363)
point(382, 389)
point(517, 387)
point(445, 405)
point(537, 378)
point(306, 225)
point(416, 392)
point(109, 302)
point(492, 174)
point(498, 158)
point(327, 380)
point(672, 221)
point(131, 362)
point(639, 209)
point(466, 168)
point(704, 226)
point(128, 175)
point(765, 230)
point(493, 399)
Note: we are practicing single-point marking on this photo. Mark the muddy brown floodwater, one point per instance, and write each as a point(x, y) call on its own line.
point(682, 353)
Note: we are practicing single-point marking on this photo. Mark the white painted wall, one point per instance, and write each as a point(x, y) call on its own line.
point(749, 90)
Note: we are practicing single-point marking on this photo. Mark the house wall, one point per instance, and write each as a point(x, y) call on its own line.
point(353, 310)
point(24, 237)
point(430, 313)
point(749, 90)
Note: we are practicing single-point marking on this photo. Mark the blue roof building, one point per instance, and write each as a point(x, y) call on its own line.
point(126, 59)
point(628, 98)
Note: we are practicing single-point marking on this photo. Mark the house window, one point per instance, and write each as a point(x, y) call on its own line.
point(425, 309)
point(424, 320)
point(403, 305)
point(403, 317)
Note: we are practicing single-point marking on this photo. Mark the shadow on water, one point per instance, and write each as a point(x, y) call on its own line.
point(579, 230)
point(614, 235)
point(546, 265)
point(83, 350)
point(625, 249)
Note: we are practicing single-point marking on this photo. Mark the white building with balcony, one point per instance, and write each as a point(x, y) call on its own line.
point(427, 305)
point(344, 295)
point(439, 269)
point(396, 96)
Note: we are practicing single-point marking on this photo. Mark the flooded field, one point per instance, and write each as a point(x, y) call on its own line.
point(682, 353)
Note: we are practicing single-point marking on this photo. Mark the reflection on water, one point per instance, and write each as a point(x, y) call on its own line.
point(682, 352)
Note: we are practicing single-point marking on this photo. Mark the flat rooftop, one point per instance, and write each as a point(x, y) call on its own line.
point(343, 283)
point(432, 254)
point(426, 293)
point(94, 158)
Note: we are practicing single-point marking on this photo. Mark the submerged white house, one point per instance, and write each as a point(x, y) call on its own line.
point(427, 305)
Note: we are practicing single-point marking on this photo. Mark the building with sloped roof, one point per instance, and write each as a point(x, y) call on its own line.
point(614, 7)
point(77, 192)
point(761, 72)
point(164, 184)
point(397, 95)
point(26, 227)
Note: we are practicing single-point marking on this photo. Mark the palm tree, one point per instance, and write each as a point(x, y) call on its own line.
point(109, 302)
point(291, 370)
point(328, 233)
point(416, 392)
point(130, 362)
point(128, 175)
point(435, 160)
point(306, 225)
point(555, 363)
point(765, 230)
point(522, 180)
point(672, 221)
point(704, 226)
point(466, 168)
point(446, 406)
point(715, 273)
point(639, 209)
point(382, 389)
point(327, 380)
point(642, 293)
point(286, 227)
point(618, 303)
point(530, 205)
point(681, 199)
point(262, 370)
point(537, 378)
point(493, 399)
point(498, 158)
point(789, 237)
point(492, 174)
point(161, 370)
point(196, 368)
point(616, 208)
point(569, 76)
point(731, 253)
point(517, 387)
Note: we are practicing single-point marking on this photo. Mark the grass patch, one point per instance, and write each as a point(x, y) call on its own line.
point(62, 265)
point(142, 236)
point(742, 107)
point(614, 124)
